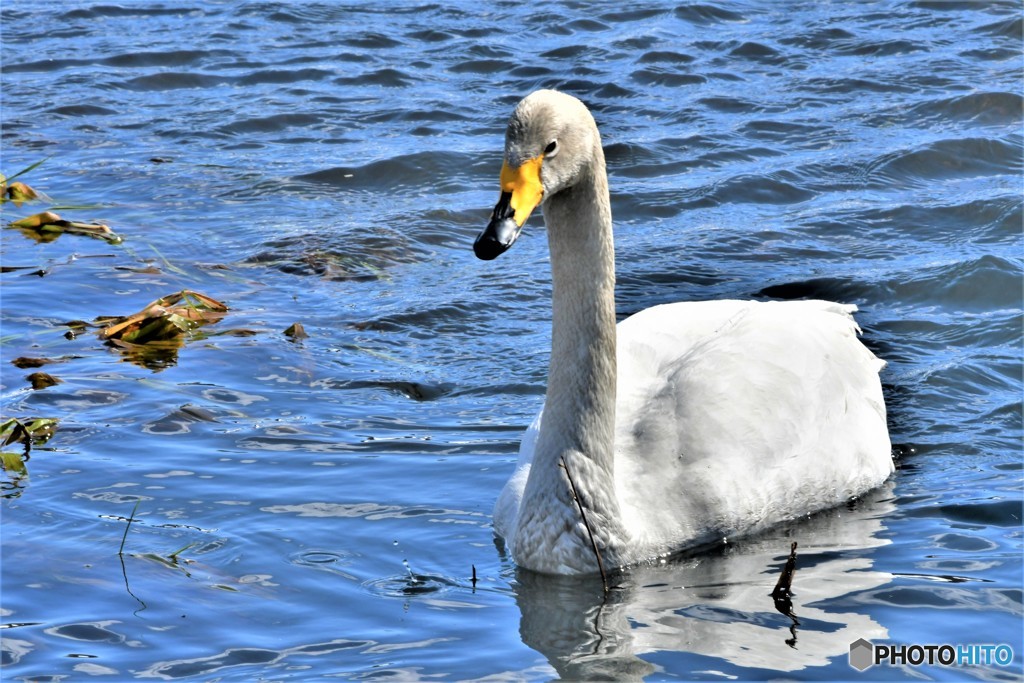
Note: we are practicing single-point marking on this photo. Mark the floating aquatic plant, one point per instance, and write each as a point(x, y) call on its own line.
point(46, 226)
point(165, 319)
point(296, 331)
point(42, 380)
point(18, 192)
point(153, 336)
point(28, 432)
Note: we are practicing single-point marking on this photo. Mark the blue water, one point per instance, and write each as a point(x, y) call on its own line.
point(314, 509)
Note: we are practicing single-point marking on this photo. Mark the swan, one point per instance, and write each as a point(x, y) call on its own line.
point(687, 422)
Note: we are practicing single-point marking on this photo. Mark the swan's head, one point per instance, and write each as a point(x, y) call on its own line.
point(549, 145)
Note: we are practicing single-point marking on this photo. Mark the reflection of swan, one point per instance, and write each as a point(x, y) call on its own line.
point(730, 415)
point(716, 605)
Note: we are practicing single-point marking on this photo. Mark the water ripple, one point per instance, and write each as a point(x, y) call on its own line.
point(703, 14)
point(101, 11)
point(985, 108)
point(949, 159)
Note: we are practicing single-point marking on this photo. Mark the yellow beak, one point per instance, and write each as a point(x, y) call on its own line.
point(521, 192)
point(523, 184)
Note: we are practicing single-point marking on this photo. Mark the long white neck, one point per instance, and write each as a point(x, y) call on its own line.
point(581, 377)
point(577, 430)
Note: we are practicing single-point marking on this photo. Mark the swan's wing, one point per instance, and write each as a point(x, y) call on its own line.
point(755, 413)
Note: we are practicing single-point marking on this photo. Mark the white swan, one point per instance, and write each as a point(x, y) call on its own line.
point(687, 422)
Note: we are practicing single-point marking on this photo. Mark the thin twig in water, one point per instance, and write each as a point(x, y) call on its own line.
point(120, 554)
point(120, 551)
point(583, 514)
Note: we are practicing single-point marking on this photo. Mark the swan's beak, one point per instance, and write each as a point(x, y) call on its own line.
point(521, 192)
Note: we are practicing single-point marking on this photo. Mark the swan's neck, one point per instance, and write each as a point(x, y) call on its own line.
point(577, 430)
point(581, 377)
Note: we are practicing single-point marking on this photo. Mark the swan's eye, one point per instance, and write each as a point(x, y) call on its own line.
point(551, 149)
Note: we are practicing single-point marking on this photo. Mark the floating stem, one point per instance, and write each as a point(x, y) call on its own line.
point(120, 551)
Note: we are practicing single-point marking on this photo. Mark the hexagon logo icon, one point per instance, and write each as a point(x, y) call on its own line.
point(862, 654)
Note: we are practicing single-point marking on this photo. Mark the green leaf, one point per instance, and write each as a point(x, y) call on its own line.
point(32, 431)
point(13, 462)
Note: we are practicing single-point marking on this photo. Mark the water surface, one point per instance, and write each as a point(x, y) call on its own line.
point(315, 508)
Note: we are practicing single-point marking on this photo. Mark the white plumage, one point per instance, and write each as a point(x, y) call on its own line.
point(687, 422)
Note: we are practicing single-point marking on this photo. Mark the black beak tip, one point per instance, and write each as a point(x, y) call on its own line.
point(487, 248)
point(495, 240)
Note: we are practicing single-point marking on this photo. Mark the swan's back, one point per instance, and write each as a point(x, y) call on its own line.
point(735, 415)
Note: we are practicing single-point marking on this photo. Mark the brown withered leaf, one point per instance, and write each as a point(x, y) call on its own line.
point(153, 336)
point(19, 193)
point(166, 319)
point(29, 362)
point(37, 220)
point(24, 362)
point(42, 380)
point(47, 226)
point(296, 331)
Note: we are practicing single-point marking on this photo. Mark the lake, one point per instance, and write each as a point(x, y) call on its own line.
point(255, 505)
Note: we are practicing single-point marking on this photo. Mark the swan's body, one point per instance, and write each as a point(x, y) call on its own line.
point(687, 422)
